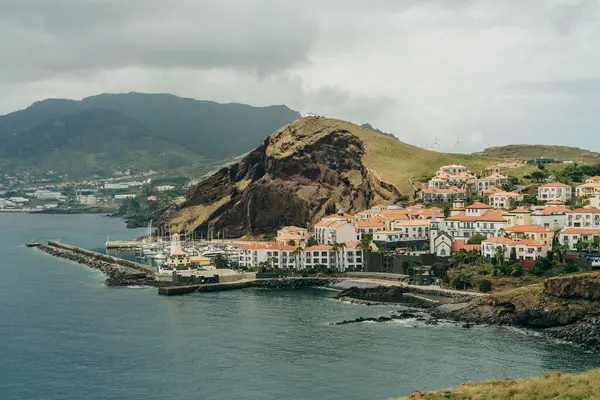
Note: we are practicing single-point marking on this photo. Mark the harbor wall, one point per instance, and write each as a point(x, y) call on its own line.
point(102, 257)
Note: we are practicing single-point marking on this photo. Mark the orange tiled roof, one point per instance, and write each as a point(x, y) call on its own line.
point(478, 206)
point(513, 242)
point(460, 244)
point(520, 211)
point(451, 189)
point(319, 247)
point(584, 211)
point(268, 246)
point(556, 209)
point(292, 229)
point(373, 222)
point(345, 215)
point(594, 178)
point(580, 231)
point(555, 184)
point(527, 228)
point(488, 216)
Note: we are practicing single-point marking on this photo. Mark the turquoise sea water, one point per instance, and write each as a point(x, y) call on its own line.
point(63, 335)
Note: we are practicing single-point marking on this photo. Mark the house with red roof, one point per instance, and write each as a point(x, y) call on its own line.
point(532, 232)
point(571, 236)
point(527, 250)
point(478, 218)
point(504, 199)
point(587, 217)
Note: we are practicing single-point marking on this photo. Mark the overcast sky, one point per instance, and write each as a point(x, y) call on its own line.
point(478, 72)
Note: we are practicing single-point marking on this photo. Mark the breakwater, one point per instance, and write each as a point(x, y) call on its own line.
point(118, 270)
point(274, 283)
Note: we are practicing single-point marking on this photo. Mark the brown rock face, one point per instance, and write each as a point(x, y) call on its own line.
point(301, 172)
point(582, 286)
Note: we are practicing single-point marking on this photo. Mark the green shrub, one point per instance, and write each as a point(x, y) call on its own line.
point(485, 286)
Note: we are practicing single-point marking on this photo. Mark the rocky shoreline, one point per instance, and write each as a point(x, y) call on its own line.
point(117, 274)
point(565, 308)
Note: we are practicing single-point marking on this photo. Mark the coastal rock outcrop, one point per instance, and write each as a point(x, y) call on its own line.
point(303, 171)
point(565, 307)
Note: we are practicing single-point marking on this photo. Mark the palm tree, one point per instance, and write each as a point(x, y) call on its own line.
point(500, 251)
point(365, 246)
point(335, 247)
point(342, 247)
point(596, 242)
point(295, 254)
point(385, 255)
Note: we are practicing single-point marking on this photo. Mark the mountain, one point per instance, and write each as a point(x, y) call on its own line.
point(96, 140)
point(369, 126)
point(308, 168)
point(529, 151)
point(205, 129)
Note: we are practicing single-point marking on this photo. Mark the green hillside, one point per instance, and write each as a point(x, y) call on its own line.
point(95, 141)
point(147, 131)
point(553, 386)
point(529, 151)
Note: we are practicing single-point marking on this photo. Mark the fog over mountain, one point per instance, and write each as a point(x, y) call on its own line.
point(473, 74)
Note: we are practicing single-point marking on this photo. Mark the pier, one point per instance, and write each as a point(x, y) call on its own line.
point(117, 269)
point(122, 244)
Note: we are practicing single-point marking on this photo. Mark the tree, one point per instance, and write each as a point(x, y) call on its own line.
point(538, 176)
point(312, 241)
point(439, 270)
point(385, 256)
point(447, 211)
point(571, 267)
point(596, 243)
point(485, 286)
point(291, 242)
point(513, 255)
point(221, 261)
point(296, 254)
point(500, 251)
point(365, 246)
point(477, 238)
point(517, 270)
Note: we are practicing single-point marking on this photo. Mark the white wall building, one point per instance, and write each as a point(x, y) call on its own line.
point(570, 236)
point(478, 218)
point(583, 218)
point(526, 250)
point(334, 231)
point(555, 191)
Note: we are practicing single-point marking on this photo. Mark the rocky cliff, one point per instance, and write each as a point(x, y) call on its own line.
point(565, 307)
point(303, 171)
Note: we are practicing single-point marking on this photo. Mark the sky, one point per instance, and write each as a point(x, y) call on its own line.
point(453, 75)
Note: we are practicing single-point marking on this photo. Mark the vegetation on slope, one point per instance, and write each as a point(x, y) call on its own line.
point(148, 131)
point(530, 151)
point(554, 385)
point(400, 163)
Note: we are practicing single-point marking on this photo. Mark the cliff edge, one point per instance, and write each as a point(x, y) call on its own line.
point(306, 169)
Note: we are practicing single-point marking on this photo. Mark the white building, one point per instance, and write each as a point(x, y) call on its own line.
point(553, 217)
point(277, 256)
point(504, 199)
point(526, 250)
point(89, 200)
point(495, 179)
point(583, 218)
point(555, 191)
point(571, 236)
point(372, 226)
point(165, 188)
point(124, 196)
point(329, 231)
point(18, 200)
point(48, 195)
point(478, 218)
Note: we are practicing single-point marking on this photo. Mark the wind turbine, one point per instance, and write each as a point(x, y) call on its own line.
point(457, 142)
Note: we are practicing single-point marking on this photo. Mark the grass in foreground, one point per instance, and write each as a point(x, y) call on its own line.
point(553, 385)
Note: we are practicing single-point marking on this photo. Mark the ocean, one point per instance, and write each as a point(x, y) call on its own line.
point(64, 335)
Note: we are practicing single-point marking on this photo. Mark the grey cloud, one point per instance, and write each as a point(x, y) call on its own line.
point(51, 37)
point(485, 71)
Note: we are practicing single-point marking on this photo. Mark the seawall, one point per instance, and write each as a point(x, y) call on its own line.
point(117, 270)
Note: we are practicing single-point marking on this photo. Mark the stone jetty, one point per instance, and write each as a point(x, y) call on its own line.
point(119, 271)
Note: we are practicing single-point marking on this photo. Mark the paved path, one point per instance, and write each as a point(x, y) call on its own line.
point(384, 282)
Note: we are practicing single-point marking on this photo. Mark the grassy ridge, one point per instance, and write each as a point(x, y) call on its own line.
point(528, 151)
point(554, 385)
point(398, 162)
